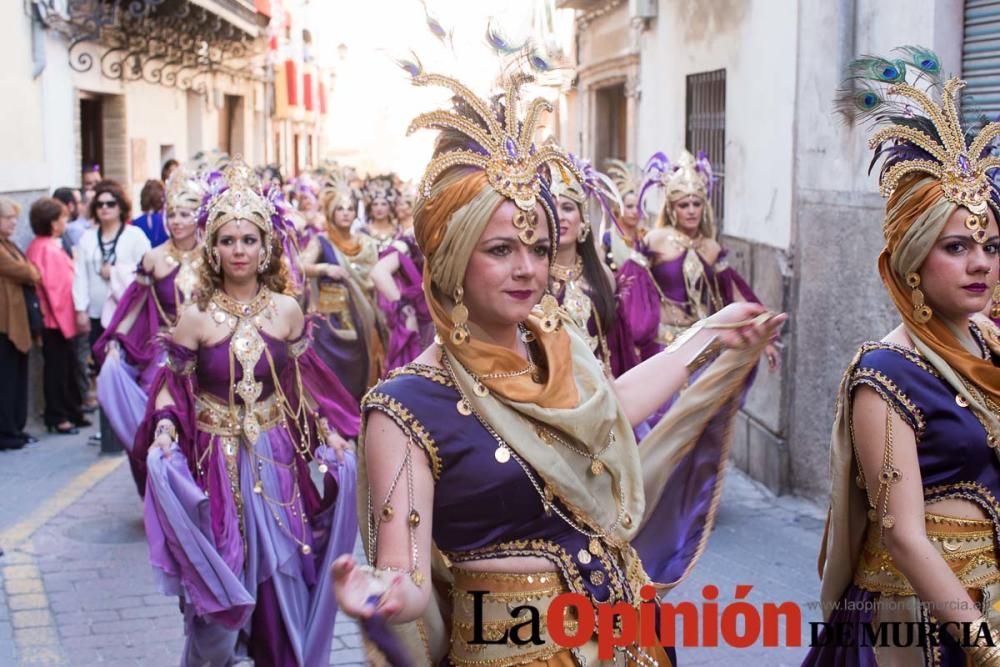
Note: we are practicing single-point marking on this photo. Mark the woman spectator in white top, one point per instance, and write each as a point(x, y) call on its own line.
point(106, 258)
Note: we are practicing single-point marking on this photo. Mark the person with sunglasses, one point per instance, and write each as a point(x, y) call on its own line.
point(106, 258)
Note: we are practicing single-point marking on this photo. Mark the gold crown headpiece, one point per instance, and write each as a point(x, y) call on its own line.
point(379, 187)
point(918, 135)
point(690, 176)
point(593, 186)
point(184, 190)
point(627, 176)
point(498, 144)
point(241, 199)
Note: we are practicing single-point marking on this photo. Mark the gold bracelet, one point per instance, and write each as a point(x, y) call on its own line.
point(709, 351)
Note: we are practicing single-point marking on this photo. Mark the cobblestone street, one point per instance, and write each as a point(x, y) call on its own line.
point(77, 589)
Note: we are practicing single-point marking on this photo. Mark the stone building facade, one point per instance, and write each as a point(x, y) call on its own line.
point(801, 217)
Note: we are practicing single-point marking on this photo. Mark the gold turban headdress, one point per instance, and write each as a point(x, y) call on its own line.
point(930, 167)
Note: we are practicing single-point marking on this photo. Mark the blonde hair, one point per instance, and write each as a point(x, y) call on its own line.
point(9, 207)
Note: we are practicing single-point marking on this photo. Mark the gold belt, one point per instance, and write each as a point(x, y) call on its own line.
point(332, 299)
point(503, 592)
point(222, 419)
point(967, 545)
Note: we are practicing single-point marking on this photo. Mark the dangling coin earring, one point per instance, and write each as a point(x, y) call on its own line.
point(265, 260)
point(921, 311)
point(584, 232)
point(215, 260)
point(995, 310)
point(459, 318)
point(550, 313)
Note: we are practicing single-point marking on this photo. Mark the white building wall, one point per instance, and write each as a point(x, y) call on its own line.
point(755, 42)
point(831, 155)
point(22, 160)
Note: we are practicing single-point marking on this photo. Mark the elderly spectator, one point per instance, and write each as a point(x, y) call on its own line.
point(16, 273)
point(151, 220)
point(48, 217)
point(106, 258)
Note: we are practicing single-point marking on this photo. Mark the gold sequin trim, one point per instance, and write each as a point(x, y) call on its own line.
point(893, 395)
point(409, 424)
point(438, 375)
point(299, 347)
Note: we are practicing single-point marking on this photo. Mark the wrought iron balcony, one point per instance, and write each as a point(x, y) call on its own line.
point(176, 43)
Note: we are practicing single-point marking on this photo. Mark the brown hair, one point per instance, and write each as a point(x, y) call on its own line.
point(276, 276)
point(151, 197)
point(43, 213)
point(114, 188)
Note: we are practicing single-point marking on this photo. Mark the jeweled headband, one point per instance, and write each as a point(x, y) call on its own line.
point(499, 145)
point(918, 135)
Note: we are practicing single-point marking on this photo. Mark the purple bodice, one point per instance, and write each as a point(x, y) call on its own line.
point(482, 508)
point(166, 295)
point(951, 441)
point(669, 276)
point(213, 366)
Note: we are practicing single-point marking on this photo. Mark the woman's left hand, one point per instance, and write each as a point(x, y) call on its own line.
point(338, 445)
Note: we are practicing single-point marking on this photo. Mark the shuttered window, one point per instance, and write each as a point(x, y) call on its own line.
point(706, 127)
point(981, 59)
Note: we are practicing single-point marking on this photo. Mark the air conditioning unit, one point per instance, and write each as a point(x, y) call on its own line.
point(642, 9)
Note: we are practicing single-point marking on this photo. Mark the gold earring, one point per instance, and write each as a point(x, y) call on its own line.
point(264, 261)
point(215, 260)
point(459, 318)
point(584, 233)
point(995, 310)
point(550, 313)
point(921, 311)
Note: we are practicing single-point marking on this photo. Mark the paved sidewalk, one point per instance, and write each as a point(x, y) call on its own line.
point(77, 588)
point(80, 590)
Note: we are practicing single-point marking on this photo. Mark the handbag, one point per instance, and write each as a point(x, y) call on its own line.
point(36, 323)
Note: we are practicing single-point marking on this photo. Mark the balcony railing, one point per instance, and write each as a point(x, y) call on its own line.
point(176, 43)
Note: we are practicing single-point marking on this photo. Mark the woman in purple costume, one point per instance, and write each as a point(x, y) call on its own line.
point(132, 350)
point(379, 196)
point(338, 264)
point(626, 254)
point(502, 458)
point(911, 535)
point(237, 527)
point(400, 294)
point(688, 263)
point(603, 306)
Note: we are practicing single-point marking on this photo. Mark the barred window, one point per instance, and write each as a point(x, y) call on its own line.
point(706, 128)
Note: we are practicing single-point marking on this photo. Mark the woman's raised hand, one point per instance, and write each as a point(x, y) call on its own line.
point(362, 592)
point(743, 324)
